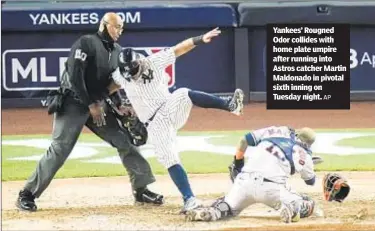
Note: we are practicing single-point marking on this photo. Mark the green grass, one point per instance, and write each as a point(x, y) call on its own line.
point(360, 142)
point(194, 162)
point(20, 170)
point(364, 162)
point(208, 163)
point(231, 140)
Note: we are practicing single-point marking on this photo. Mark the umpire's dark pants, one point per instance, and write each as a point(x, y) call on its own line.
point(67, 127)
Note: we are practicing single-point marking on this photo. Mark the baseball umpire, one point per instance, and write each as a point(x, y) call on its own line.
point(78, 102)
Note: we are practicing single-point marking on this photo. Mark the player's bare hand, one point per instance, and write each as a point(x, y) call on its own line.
point(127, 111)
point(211, 34)
point(98, 114)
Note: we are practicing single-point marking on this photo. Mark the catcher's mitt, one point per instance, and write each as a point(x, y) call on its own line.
point(132, 125)
point(136, 129)
point(235, 168)
point(335, 187)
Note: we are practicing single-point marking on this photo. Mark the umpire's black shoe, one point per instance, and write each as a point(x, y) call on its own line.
point(25, 201)
point(146, 196)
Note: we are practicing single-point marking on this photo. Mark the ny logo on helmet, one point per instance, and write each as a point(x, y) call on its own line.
point(169, 71)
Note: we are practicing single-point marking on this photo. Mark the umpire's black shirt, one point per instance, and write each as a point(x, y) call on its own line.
point(91, 61)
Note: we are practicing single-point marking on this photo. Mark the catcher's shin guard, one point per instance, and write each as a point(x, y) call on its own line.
point(296, 210)
point(200, 214)
point(222, 208)
point(290, 212)
point(218, 210)
point(307, 206)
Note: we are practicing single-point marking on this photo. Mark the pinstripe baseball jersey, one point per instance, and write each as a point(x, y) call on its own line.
point(148, 96)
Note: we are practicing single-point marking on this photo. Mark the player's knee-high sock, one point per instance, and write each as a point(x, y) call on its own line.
point(180, 179)
point(205, 100)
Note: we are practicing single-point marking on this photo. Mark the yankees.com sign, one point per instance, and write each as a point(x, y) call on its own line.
point(40, 69)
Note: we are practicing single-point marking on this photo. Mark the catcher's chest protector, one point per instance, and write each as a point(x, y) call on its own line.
point(286, 145)
point(335, 187)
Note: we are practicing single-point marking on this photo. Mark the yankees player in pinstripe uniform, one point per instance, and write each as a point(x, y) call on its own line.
point(164, 113)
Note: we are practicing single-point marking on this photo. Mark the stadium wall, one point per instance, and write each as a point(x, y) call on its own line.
point(37, 37)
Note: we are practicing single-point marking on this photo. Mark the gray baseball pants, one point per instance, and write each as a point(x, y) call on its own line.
point(67, 127)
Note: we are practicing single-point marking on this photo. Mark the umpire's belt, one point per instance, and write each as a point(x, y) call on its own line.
point(153, 116)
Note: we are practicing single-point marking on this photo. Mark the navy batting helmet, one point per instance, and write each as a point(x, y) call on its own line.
point(129, 66)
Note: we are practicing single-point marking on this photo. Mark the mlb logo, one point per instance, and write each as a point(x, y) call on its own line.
point(170, 70)
point(34, 69)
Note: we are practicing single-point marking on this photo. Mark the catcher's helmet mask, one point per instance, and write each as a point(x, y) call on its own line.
point(335, 187)
point(132, 67)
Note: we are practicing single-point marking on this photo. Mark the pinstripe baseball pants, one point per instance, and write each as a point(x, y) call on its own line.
point(162, 130)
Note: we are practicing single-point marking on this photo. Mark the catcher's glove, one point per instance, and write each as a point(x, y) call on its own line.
point(135, 129)
point(335, 187)
point(235, 168)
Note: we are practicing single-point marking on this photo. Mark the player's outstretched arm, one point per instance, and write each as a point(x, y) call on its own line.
point(190, 43)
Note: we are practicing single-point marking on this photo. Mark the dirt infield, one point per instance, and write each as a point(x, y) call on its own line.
point(106, 203)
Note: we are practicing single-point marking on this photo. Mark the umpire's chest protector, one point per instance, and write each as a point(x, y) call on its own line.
point(105, 59)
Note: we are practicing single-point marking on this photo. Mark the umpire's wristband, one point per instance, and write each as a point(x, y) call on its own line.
point(198, 40)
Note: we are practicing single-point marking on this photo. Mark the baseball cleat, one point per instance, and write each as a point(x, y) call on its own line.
point(307, 207)
point(236, 103)
point(145, 196)
point(25, 201)
point(190, 204)
point(286, 214)
point(199, 214)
